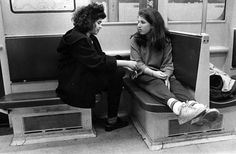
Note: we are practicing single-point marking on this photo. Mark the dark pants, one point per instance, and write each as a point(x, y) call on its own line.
point(112, 83)
point(158, 89)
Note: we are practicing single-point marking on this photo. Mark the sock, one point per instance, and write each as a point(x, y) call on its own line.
point(171, 102)
point(175, 105)
point(112, 120)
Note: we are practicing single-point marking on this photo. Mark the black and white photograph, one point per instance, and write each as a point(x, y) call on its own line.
point(117, 76)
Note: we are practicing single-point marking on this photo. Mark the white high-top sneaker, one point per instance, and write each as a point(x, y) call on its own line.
point(210, 115)
point(188, 113)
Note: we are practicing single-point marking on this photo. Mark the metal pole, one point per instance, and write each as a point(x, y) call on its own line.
point(204, 16)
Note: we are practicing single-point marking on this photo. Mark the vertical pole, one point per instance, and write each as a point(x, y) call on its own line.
point(204, 16)
point(113, 10)
point(203, 81)
point(3, 54)
point(155, 4)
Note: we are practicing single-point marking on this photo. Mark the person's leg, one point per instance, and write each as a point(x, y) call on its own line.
point(180, 91)
point(159, 90)
point(156, 88)
point(184, 95)
point(112, 83)
point(114, 89)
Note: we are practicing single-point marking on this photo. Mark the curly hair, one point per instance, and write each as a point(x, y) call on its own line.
point(85, 17)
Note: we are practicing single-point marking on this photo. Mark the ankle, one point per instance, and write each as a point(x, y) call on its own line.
point(176, 107)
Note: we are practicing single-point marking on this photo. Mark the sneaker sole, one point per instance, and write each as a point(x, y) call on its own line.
point(209, 116)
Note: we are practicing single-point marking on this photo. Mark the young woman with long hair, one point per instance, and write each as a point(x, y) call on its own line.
point(151, 49)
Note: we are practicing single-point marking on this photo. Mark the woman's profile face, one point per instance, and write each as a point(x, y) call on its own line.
point(96, 27)
point(143, 26)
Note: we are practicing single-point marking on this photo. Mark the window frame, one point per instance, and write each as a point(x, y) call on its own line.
point(198, 21)
point(42, 11)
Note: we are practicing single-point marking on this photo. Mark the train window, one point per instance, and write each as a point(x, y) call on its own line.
point(122, 10)
point(191, 10)
point(41, 6)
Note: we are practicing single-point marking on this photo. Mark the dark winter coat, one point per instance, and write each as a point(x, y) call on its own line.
point(81, 63)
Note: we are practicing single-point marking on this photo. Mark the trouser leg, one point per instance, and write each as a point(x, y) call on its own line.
point(114, 90)
point(157, 89)
point(181, 93)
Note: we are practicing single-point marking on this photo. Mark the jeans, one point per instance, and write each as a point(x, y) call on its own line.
point(157, 88)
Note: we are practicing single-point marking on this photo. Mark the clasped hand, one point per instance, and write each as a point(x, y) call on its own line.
point(134, 69)
point(160, 74)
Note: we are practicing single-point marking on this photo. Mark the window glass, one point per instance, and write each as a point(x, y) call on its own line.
point(191, 10)
point(124, 10)
point(24, 6)
point(128, 10)
point(116, 10)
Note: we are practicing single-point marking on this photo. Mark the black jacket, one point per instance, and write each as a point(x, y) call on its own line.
point(81, 62)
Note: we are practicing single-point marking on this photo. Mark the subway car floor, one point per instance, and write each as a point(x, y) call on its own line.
point(120, 141)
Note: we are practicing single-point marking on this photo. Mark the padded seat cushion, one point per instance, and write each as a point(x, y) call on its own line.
point(145, 100)
point(29, 99)
point(186, 53)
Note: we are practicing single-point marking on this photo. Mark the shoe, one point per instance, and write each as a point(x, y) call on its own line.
point(188, 113)
point(210, 115)
point(195, 104)
point(118, 124)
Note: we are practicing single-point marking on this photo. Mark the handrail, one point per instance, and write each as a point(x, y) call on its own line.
point(204, 16)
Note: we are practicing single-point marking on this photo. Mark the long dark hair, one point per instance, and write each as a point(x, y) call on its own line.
point(159, 35)
point(85, 17)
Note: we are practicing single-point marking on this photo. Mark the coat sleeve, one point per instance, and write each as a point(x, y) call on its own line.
point(83, 51)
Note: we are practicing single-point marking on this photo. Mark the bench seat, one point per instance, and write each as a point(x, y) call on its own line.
point(146, 101)
point(42, 117)
point(29, 99)
point(158, 125)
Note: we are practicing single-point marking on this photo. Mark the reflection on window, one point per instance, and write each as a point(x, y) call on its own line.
point(120, 10)
point(191, 10)
point(128, 10)
point(35, 6)
point(123, 10)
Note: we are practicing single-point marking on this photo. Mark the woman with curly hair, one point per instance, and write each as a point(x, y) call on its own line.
point(85, 70)
point(151, 48)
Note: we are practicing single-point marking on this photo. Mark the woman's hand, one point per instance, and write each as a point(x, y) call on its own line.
point(159, 74)
point(133, 65)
